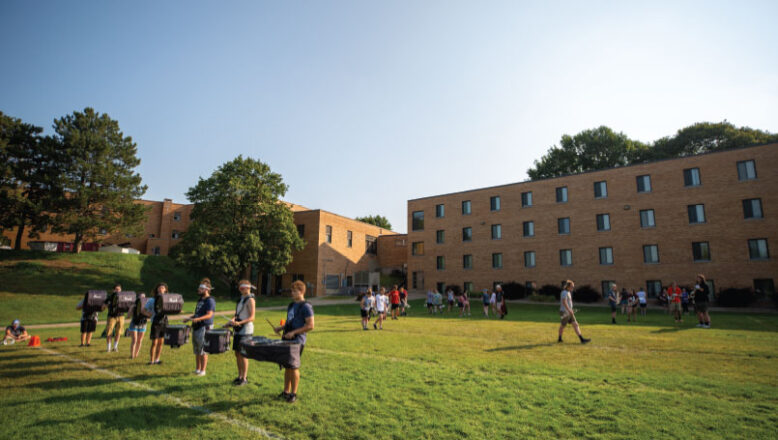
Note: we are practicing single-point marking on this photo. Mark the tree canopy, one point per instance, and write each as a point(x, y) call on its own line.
point(238, 220)
point(376, 220)
point(602, 148)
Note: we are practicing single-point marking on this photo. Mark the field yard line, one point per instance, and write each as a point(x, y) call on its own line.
point(176, 400)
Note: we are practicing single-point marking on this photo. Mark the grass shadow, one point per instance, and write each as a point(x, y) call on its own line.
point(521, 347)
point(138, 418)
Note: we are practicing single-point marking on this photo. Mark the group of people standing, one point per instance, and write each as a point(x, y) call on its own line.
point(299, 321)
point(377, 305)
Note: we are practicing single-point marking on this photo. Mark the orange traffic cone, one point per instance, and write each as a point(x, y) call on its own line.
point(35, 341)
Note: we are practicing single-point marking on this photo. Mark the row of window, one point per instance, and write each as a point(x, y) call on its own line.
point(757, 250)
point(370, 241)
point(746, 170)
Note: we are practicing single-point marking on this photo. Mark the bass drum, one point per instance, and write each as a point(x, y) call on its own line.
point(217, 341)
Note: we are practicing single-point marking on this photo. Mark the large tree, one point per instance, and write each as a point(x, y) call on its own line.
point(704, 137)
point(29, 166)
point(98, 177)
point(376, 220)
point(238, 220)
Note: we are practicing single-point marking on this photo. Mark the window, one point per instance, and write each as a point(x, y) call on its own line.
point(746, 170)
point(497, 261)
point(441, 286)
point(764, 288)
point(468, 287)
point(441, 263)
point(371, 244)
point(752, 208)
point(349, 237)
point(651, 254)
point(467, 261)
point(400, 242)
point(644, 183)
point(467, 234)
point(440, 211)
point(466, 208)
point(349, 281)
point(494, 203)
point(606, 287)
point(417, 280)
point(529, 259)
point(417, 221)
point(757, 249)
point(561, 194)
point(328, 233)
point(152, 236)
point(563, 225)
point(177, 216)
point(565, 257)
point(528, 229)
point(653, 288)
point(526, 199)
point(600, 190)
point(417, 248)
point(603, 222)
point(647, 218)
point(156, 250)
point(440, 236)
point(606, 255)
point(496, 232)
point(701, 251)
point(176, 235)
point(298, 277)
point(696, 214)
point(301, 230)
point(691, 177)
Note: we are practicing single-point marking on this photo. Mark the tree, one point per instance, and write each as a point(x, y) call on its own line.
point(588, 150)
point(98, 178)
point(376, 220)
point(28, 178)
point(704, 137)
point(237, 221)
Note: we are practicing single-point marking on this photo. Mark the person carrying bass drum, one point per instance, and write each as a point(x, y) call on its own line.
point(153, 310)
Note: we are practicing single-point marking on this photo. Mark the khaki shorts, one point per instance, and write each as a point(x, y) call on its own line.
point(113, 322)
point(675, 307)
point(566, 318)
point(701, 307)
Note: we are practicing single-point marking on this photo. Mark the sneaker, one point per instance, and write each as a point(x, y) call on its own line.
point(585, 341)
point(706, 326)
point(201, 373)
point(558, 341)
point(284, 395)
point(375, 326)
point(157, 362)
point(196, 372)
point(240, 383)
point(364, 328)
point(291, 398)
point(236, 380)
point(700, 325)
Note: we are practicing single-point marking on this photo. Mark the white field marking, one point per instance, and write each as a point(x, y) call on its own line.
point(174, 399)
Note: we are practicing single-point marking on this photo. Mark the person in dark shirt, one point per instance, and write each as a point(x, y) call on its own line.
point(202, 321)
point(115, 324)
point(299, 321)
point(15, 333)
point(701, 299)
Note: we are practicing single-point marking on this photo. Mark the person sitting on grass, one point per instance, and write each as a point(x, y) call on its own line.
point(137, 326)
point(243, 326)
point(115, 324)
point(299, 321)
point(153, 310)
point(202, 321)
point(88, 322)
point(567, 314)
point(15, 333)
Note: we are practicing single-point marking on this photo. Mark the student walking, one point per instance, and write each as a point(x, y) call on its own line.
point(437, 300)
point(701, 297)
point(394, 300)
point(613, 301)
point(567, 314)
point(499, 301)
point(430, 301)
point(486, 300)
point(115, 324)
point(632, 307)
point(381, 304)
point(158, 319)
point(137, 326)
point(403, 301)
point(365, 304)
point(202, 321)
point(450, 299)
point(299, 321)
point(642, 301)
point(242, 324)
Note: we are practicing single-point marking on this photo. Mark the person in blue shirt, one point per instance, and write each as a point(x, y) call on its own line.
point(202, 321)
point(299, 321)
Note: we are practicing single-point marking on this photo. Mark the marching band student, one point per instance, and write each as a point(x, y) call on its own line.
point(153, 310)
point(299, 321)
point(88, 322)
point(403, 301)
point(394, 299)
point(465, 304)
point(243, 326)
point(381, 303)
point(137, 325)
point(367, 302)
point(115, 324)
point(202, 321)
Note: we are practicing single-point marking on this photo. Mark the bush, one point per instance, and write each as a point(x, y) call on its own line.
point(454, 288)
point(542, 298)
point(736, 297)
point(586, 294)
point(514, 290)
point(550, 290)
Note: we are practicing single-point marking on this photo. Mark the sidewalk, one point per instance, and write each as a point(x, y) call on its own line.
point(658, 307)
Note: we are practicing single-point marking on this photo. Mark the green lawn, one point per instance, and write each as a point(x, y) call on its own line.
point(421, 377)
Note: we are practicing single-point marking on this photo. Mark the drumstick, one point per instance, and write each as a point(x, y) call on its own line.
point(271, 326)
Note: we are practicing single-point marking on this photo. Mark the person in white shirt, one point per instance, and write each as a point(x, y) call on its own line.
point(567, 314)
point(381, 304)
point(642, 301)
point(367, 303)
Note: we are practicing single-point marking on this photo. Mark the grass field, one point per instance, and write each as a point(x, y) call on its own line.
point(421, 377)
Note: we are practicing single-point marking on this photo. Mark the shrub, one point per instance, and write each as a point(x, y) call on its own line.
point(736, 297)
point(550, 290)
point(586, 294)
point(514, 290)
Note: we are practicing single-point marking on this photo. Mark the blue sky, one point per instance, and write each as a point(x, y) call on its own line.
point(364, 105)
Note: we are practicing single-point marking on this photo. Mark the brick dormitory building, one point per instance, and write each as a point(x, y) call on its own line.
point(643, 225)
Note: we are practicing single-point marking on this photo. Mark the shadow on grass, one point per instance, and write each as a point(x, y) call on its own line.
point(72, 383)
point(98, 397)
point(138, 418)
point(521, 347)
point(13, 357)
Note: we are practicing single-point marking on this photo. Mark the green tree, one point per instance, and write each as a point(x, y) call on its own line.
point(29, 167)
point(588, 150)
point(237, 221)
point(704, 137)
point(376, 220)
point(98, 178)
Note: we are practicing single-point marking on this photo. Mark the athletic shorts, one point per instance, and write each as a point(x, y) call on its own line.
point(198, 340)
point(88, 325)
point(395, 306)
point(115, 323)
point(363, 313)
point(566, 318)
point(701, 307)
point(158, 329)
point(675, 307)
point(643, 305)
point(429, 305)
point(460, 305)
point(614, 307)
point(236, 340)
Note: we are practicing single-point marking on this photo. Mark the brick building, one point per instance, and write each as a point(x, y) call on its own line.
point(641, 225)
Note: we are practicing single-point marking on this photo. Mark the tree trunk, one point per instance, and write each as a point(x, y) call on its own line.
point(19, 235)
point(77, 244)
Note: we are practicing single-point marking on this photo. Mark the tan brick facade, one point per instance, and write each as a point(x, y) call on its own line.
point(725, 229)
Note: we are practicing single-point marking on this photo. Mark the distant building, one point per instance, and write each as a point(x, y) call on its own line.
point(643, 225)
